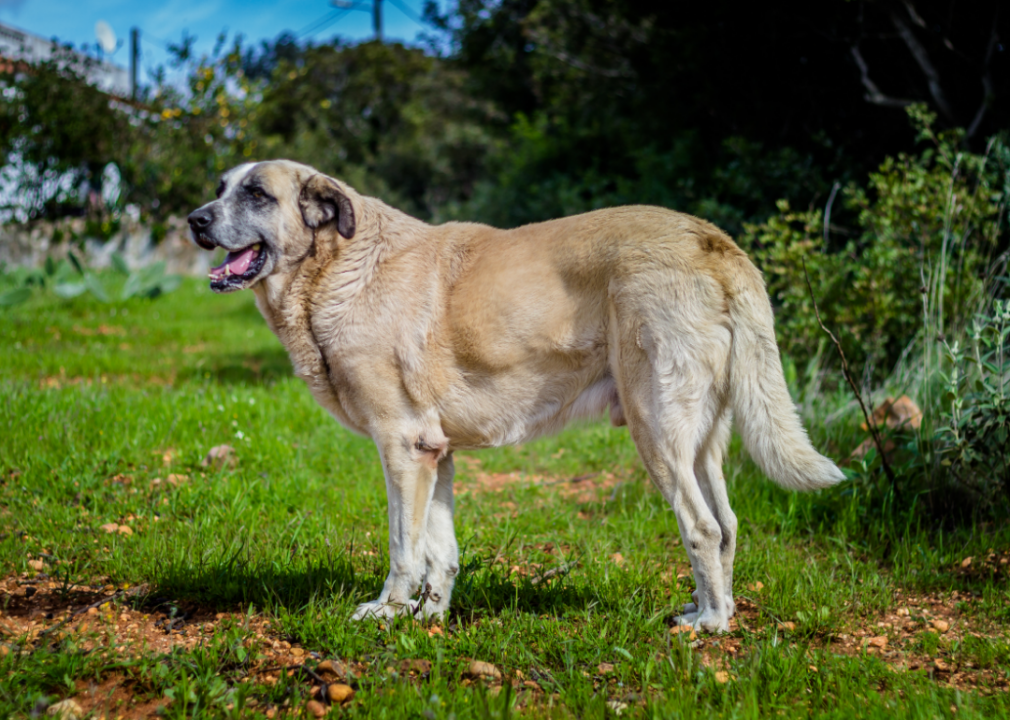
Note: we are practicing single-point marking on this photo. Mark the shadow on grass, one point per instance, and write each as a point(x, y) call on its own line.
point(264, 367)
point(480, 589)
point(242, 583)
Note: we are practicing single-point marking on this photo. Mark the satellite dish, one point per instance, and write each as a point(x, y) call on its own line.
point(106, 37)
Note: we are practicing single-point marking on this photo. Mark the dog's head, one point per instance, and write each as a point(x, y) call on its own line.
point(266, 216)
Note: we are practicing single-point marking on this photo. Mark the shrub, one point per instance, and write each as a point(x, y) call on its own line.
point(975, 434)
point(926, 231)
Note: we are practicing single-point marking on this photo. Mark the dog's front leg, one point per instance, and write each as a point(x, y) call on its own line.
point(441, 550)
point(411, 466)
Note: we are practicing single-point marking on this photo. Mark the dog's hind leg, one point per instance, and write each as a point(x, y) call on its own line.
point(663, 433)
point(708, 470)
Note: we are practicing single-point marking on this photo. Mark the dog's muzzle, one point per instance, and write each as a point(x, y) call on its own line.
point(199, 221)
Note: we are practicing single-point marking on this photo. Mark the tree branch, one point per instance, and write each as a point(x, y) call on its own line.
point(874, 430)
point(873, 94)
point(922, 58)
point(988, 91)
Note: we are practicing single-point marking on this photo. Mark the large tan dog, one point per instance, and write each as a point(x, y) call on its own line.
point(432, 339)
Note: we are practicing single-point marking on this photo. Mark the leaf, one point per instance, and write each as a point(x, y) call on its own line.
point(95, 286)
point(75, 262)
point(131, 287)
point(171, 283)
point(50, 266)
point(15, 297)
point(69, 290)
point(119, 264)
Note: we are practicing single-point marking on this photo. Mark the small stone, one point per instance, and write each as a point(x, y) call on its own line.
point(684, 629)
point(36, 564)
point(92, 611)
point(297, 652)
point(331, 667)
point(479, 668)
point(902, 612)
point(65, 710)
point(339, 693)
point(220, 456)
point(721, 676)
point(417, 665)
point(604, 667)
point(940, 665)
point(124, 530)
point(878, 642)
point(966, 562)
point(109, 527)
point(271, 713)
point(941, 626)
point(787, 625)
point(316, 708)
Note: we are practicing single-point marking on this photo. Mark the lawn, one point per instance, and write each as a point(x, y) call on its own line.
point(139, 580)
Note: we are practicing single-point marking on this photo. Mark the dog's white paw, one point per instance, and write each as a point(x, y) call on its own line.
point(688, 618)
point(376, 610)
point(707, 621)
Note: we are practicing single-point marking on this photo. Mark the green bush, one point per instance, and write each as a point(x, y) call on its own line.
point(924, 233)
point(975, 434)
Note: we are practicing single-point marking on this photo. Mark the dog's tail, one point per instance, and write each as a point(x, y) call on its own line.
point(762, 407)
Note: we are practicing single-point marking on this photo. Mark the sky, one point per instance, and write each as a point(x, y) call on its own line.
point(165, 22)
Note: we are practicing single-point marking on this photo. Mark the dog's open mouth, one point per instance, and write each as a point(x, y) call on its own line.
point(238, 268)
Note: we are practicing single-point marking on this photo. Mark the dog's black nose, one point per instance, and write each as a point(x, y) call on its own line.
point(200, 219)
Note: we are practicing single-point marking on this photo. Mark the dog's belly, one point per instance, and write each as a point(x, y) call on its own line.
point(500, 413)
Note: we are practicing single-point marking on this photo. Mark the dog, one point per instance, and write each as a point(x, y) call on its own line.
point(429, 339)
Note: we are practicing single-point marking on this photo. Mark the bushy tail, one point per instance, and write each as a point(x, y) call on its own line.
point(762, 407)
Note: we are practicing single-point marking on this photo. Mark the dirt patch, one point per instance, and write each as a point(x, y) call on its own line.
point(585, 488)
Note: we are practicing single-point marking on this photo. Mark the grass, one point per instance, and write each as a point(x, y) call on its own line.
point(230, 584)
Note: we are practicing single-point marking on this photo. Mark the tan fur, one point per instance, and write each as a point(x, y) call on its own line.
point(430, 339)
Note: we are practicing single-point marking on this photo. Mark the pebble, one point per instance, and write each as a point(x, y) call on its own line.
point(316, 708)
point(879, 642)
point(297, 652)
point(941, 626)
point(65, 710)
point(479, 668)
point(339, 693)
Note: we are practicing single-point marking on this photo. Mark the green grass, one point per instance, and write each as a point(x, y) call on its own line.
point(296, 533)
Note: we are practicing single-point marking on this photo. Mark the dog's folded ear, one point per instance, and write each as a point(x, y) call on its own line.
point(322, 202)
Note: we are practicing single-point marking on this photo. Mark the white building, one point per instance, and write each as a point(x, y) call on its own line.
point(21, 45)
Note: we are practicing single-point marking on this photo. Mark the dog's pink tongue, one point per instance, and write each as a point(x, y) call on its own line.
point(235, 263)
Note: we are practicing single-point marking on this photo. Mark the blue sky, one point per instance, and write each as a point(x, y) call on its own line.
point(161, 22)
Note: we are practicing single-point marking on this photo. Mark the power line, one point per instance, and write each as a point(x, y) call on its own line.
point(408, 12)
point(321, 23)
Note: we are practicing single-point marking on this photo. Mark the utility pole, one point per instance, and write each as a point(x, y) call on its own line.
point(375, 8)
point(134, 60)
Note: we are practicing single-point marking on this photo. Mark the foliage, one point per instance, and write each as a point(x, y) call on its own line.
point(392, 120)
point(974, 438)
point(57, 135)
point(70, 278)
point(184, 138)
point(925, 232)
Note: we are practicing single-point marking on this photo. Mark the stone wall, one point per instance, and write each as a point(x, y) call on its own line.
point(30, 244)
